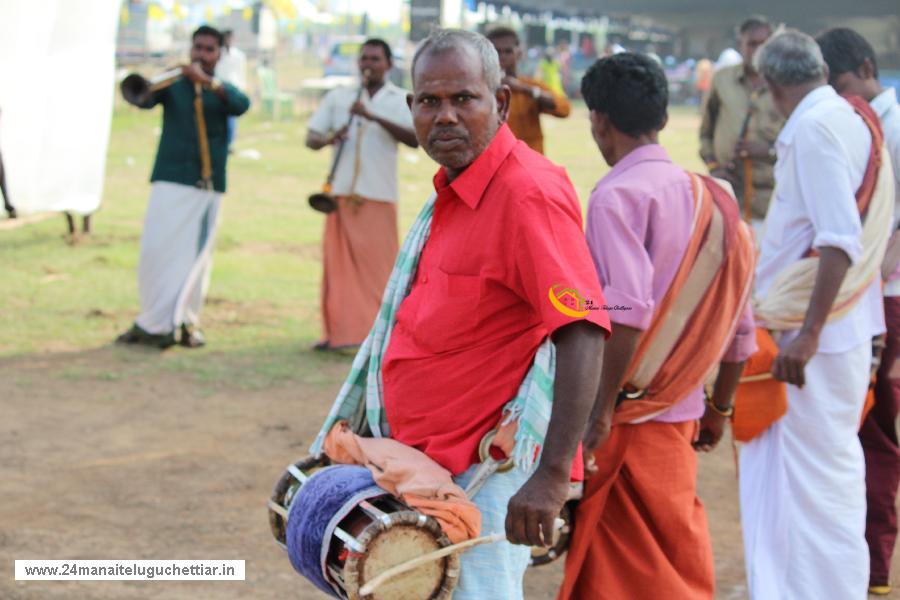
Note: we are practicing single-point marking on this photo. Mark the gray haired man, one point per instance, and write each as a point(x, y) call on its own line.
point(803, 502)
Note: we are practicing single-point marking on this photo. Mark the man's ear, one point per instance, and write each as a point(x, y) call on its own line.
point(409, 100)
point(599, 122)
point(503, 96)
point(866, 70)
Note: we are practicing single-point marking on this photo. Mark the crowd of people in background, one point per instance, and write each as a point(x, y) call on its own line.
point(638, 329)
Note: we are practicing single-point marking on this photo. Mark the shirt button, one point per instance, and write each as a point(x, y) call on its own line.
point(424, 278)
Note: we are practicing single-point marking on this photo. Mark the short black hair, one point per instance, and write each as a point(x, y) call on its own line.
point(496, 33)
point(631, 89)
point(754, 22)
point(381, 44)
point(844, 50)
point(211, 31)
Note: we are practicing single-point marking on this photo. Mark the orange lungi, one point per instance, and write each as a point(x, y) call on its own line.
point(640, 530)
point(359, 248)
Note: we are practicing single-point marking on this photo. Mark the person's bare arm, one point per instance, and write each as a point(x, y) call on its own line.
point(532, 511)
point(792, 359)
point(619, 350)
point(402, 134)
point(317, 141)
point(712, 424)
point(554, 104)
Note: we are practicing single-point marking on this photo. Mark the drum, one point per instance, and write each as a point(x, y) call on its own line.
point(341, 531)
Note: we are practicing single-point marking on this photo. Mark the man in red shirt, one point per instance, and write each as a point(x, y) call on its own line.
point(505, 266)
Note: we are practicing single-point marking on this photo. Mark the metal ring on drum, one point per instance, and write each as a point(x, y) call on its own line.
point(285, 490)
point(543, 556)
point(562, 535)
point(484, 452)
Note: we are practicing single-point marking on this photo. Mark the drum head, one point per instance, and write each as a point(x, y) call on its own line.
point(322, 203)
point(408, 535)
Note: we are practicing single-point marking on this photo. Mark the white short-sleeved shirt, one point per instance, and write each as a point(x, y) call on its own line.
point(886, 107)
point(823, 151)
point(370, 149)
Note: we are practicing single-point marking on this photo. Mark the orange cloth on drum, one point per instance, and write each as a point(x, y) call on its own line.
point(409, 475)
point(359, 248)
point(760, 400)
point(641, 532)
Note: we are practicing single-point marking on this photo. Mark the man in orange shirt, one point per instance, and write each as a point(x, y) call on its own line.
point(530, 97)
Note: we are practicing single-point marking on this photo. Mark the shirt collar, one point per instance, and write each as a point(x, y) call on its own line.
point(648, 153)
point(386, 88)
point(470, 185)
point(820, 94)
point(884, 101)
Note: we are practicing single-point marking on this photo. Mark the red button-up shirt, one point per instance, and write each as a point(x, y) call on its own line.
point(505, 265)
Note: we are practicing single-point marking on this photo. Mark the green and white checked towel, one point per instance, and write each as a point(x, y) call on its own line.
point(361, 399)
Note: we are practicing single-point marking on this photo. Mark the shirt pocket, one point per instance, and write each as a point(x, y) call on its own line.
point(447, 319)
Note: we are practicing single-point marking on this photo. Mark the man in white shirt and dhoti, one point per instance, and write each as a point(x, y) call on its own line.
point(803, 498)
point(360, 242)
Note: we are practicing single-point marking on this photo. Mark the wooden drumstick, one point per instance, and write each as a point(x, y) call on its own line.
point(411, 564)
point(753, 378)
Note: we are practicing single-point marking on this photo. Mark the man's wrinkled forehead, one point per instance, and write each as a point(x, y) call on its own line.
point(457, 66)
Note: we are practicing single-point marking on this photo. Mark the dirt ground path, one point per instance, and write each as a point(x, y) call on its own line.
point(155, 467)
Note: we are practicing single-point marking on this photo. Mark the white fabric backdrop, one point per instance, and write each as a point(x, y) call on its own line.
point(57, 76)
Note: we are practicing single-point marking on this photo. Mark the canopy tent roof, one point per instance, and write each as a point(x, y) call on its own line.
point(729, 9)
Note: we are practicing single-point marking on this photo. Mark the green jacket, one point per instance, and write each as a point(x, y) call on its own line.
point(178, 156)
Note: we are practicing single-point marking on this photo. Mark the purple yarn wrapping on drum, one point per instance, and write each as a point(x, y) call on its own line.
point(317, 502)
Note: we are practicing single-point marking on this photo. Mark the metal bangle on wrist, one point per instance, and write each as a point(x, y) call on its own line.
point(722, 412)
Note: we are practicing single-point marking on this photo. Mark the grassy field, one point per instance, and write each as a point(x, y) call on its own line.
point(262, 312)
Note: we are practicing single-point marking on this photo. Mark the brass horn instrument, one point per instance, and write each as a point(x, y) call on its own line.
point(137, 89)
point(323, 201)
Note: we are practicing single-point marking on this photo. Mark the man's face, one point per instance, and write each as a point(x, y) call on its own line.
point(454, 112)
point(373, 59)
point(779, 99)
point(510, 52)
point(751, 40)
point(205, 50)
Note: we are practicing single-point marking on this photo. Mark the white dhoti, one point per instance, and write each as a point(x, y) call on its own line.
point(803, 493)
point(176, 255)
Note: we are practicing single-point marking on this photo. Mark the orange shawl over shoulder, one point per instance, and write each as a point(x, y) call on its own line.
point(698, 316)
